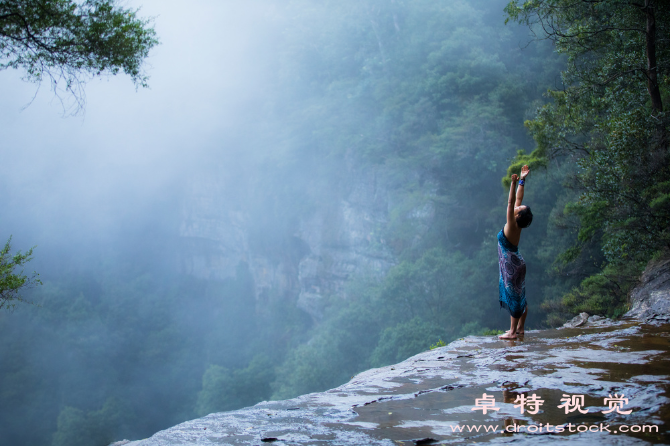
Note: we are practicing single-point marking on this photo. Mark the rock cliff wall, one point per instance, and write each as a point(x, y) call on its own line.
point(650, 299)
point(338, 237)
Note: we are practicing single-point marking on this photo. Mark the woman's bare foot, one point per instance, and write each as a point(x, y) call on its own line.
point(520, 333)
point(507, 335)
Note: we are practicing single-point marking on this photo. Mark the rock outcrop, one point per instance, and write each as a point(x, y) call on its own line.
point(650, 299)
point(584, 320)
point(596, 384)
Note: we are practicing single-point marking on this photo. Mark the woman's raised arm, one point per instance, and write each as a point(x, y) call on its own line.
point(519, 192)
point(511, 221)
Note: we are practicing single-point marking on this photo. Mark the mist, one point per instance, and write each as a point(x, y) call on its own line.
point(74, 177)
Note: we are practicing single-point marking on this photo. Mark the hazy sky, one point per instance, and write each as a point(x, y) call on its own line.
point(79, 174)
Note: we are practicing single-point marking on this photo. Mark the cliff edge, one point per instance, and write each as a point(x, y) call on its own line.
point(438, 397)
point(594, 381)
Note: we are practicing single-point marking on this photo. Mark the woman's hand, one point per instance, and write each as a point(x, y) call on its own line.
point(524, 172)
point(515, 177)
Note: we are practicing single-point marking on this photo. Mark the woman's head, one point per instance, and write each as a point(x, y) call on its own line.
point(523, 216)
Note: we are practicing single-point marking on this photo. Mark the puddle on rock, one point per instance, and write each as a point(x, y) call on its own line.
point(636, 365)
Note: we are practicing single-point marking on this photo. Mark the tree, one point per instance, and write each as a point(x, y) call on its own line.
point(609, 120)
point(11, 282)
point(67, 42)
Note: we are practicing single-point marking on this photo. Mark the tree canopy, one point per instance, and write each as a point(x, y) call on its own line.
point(609, 119)
point(67, 42)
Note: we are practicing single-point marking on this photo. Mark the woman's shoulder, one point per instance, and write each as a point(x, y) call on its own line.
point(507, 236)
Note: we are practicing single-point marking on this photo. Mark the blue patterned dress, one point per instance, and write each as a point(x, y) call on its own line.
point(512, 284)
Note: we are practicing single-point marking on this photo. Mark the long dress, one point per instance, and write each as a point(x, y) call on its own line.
point(512, 284)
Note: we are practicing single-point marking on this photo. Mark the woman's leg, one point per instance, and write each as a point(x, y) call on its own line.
point(511, 334)
point(522, 322)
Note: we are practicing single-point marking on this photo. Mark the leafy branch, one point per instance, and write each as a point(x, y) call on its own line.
point(11, 281)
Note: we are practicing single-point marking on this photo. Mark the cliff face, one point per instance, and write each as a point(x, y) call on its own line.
point(650, 299)
point(438, 396)
point(337, 237)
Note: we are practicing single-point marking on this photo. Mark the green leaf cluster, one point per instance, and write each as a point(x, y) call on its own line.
point(12, 283)
point(66, 41)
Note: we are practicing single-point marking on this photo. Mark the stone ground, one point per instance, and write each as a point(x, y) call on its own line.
point(429, 398)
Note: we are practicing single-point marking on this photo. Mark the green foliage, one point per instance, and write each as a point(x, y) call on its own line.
point(535, 161)
point(93, 428)
point(605, 293)
point(470, 328)
point(428, 287)
point(12, 283)
point(405, 339)
point(608, 119)
point(68, 41)
point(489, 332)
point(128, 335)
point(75, 428)
point(438, 344)
point(224, 389)
point(339, 349)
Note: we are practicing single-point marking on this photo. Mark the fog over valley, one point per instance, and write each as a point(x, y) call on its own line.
point(306, 190)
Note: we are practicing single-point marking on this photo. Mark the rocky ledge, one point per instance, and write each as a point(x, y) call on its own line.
point(650, 299)
point(577, 385)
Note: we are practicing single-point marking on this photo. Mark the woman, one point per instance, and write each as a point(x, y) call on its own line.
point(512, 283)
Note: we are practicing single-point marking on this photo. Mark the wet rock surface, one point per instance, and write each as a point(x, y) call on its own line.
point(577, 321)
point(583, 320)
point(431, 398)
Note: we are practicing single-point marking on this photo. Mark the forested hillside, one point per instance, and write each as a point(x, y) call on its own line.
point(424, 102)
